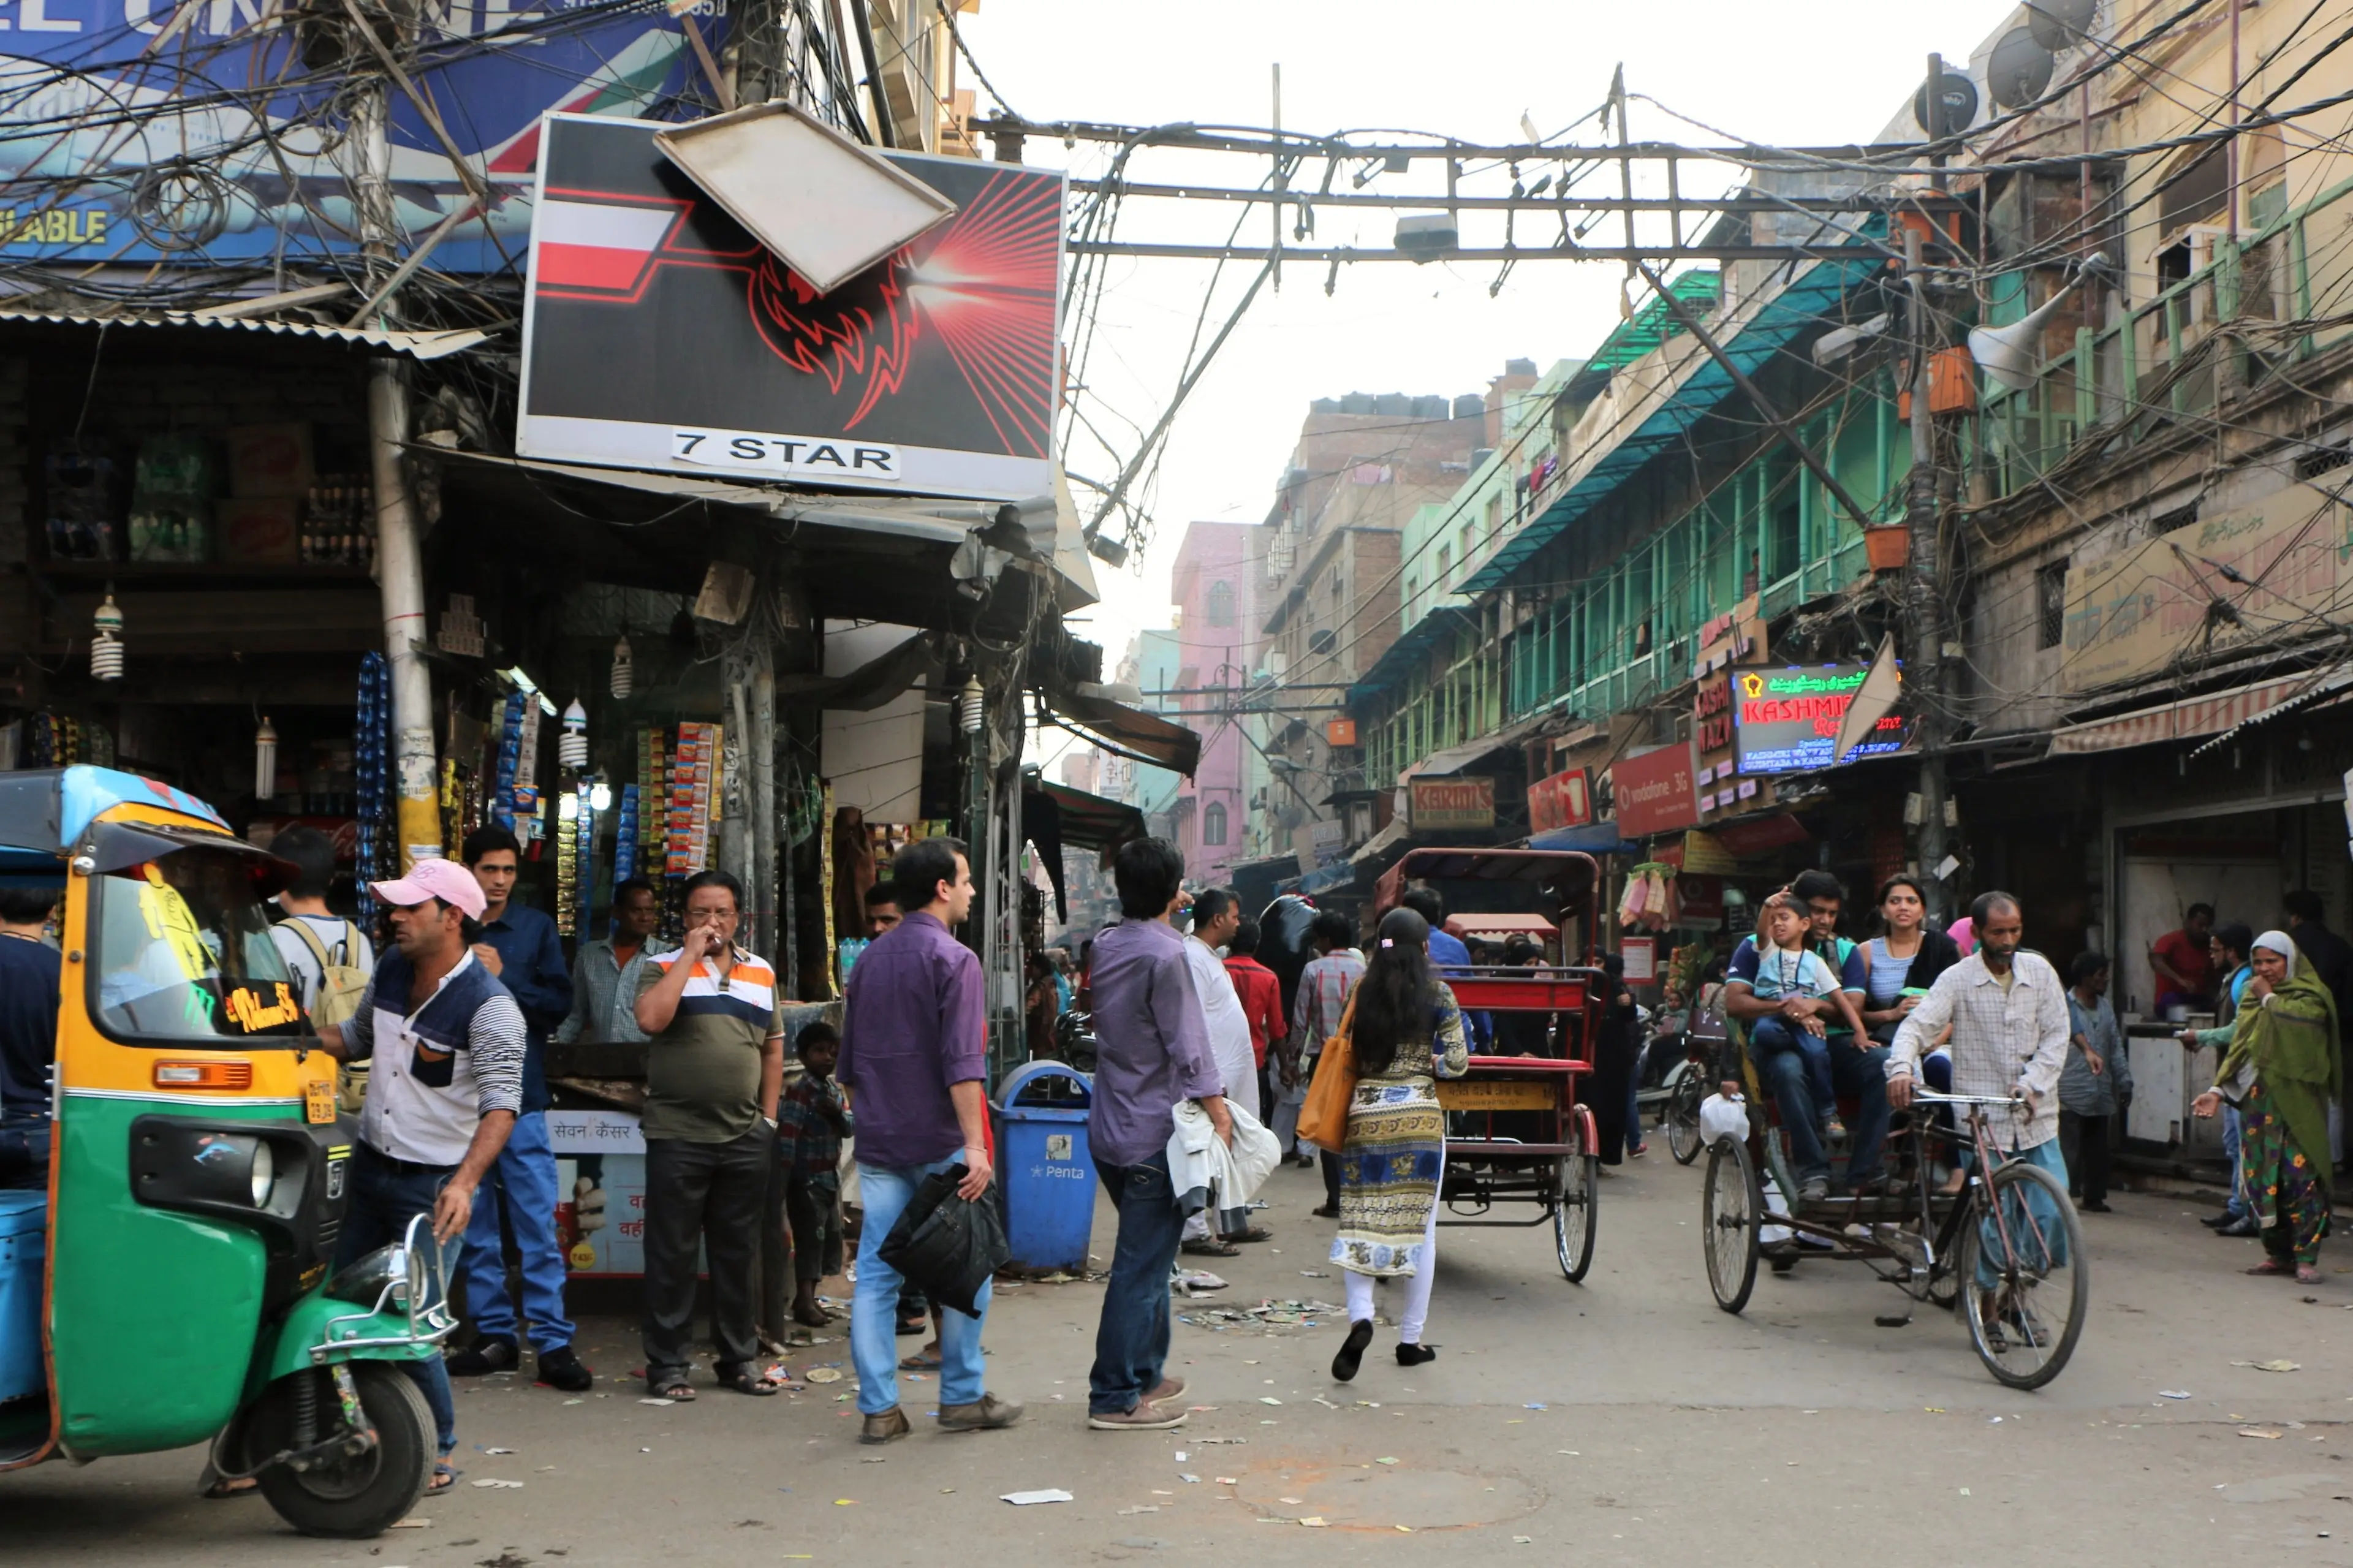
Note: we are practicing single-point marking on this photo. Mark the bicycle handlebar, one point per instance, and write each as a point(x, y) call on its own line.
point(1930, 1097)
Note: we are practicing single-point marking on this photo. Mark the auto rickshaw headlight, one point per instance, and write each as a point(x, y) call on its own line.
point(262, 1173)
point(363, 1282)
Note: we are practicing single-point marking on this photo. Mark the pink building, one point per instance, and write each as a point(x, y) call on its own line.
point(1216, 581)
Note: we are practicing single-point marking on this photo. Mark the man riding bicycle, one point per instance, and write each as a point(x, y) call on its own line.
point(2008, 1009)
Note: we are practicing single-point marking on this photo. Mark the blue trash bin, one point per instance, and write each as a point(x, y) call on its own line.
point(1044, 1166)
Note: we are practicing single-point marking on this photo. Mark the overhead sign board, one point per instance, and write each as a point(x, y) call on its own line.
point(1564, 799)
point(138, 131)
point(1786, 720)
point(2132, 614)
point(1449, 803)
point(1654, 793)
point(658, 335)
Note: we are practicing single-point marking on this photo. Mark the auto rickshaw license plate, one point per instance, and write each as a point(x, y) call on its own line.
point(1498, 1094)
point(319, 1102)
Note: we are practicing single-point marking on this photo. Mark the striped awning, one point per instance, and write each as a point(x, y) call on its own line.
point(2192, 717)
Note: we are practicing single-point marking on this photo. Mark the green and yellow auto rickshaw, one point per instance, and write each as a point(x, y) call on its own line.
point(171, 1285)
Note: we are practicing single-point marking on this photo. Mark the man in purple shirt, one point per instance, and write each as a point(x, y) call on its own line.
point(1153, 1046)
point(914, 1053)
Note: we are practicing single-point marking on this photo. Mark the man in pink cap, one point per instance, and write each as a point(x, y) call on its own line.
point(446, 1041)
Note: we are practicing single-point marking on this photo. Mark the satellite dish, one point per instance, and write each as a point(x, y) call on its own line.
point(2019, 71)
point(1960, 106)
point(2061, 24)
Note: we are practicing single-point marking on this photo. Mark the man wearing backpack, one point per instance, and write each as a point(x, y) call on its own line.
point(329, 956)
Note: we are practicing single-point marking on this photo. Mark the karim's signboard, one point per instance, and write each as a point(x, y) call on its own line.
point(658, 335)
point(1786, 720)
point(1448, 803)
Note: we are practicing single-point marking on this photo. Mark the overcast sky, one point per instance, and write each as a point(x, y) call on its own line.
point(1783, 72)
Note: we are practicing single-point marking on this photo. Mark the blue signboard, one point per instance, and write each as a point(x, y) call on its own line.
point(138, 131)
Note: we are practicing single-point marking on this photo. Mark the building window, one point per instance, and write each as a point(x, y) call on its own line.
point(1213, 824)
point(2050, 605)
point(1445, 564)
point(1221, 604)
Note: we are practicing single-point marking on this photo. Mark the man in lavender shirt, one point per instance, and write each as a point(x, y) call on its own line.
point(1153, 1051)
point(914, 1056)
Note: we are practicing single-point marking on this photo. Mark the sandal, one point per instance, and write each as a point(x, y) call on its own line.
point(445, 1475)
point(678, 1392)
point(922, 1360)
point(1212, 1249)
point(2270, 1266)
point(743, 1380)
point(2307, 1274)
point(214, 1487)
point(1255, 1233)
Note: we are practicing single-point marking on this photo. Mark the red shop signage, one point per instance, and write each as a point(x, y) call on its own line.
point(1655, 793)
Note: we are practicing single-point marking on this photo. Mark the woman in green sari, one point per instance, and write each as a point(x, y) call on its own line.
point(2282, 1071)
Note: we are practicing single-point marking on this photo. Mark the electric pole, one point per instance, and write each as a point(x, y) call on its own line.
point(1927, 593)
point(400, 561)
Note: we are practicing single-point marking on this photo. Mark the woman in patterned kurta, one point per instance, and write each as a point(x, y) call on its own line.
point(2283, 1070)
point(1405, 1034)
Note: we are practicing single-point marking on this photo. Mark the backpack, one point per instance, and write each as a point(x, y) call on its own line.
point(342, 987)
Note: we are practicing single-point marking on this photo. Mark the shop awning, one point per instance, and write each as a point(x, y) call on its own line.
point(1413, 645)
point(1089, 711)
point(1592, 838)
point(416, 345)
point(1327, 879)
point(1704, 386)
point(2192, 717)
point(1376, 849)
point(1056, 818)
point(1456, 759)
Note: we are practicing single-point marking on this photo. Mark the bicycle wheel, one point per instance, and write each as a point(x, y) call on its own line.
point(1682, 1121)
point(2026, 1326)
point(1731, 1211)
point(1577, 1210)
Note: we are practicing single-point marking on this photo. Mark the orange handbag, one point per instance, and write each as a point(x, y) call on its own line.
point(1323, 1118)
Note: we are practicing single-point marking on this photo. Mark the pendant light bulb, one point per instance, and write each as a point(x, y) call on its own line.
point(625, 674)
point(571, 751)
point(106, 643)
point(265, 761)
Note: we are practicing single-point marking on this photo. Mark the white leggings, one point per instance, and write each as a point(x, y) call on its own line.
point(1416, 1288)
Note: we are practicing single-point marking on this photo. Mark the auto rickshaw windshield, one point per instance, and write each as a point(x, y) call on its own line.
point(180, 952)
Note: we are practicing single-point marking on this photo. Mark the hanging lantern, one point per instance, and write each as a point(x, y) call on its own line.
point(572, 752)
point(265, 760)
point(625, 673)
point(970, 705)
point(105, 647)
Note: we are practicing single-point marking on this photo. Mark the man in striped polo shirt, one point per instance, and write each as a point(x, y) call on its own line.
point(714, 1064)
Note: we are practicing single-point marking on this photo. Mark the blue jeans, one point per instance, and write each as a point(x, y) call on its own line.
point(2025, 1241)
point(386, 1193)
point(1775, 1035)
point(1131, 1340)
point(886, 1189)
point(518, 1189)
point(1788, 1077)
point(2237, 1208)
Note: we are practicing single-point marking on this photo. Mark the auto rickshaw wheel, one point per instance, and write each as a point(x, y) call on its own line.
point(360, 1498)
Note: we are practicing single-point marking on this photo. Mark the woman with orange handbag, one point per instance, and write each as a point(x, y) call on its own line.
point(1404, 1032)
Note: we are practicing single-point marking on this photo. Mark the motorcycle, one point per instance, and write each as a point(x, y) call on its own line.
point(1676, 1068)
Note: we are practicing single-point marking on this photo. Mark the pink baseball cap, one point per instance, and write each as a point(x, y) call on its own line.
point(443, 879)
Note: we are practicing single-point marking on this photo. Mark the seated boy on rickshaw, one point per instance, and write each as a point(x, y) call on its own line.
point(1789, 1004)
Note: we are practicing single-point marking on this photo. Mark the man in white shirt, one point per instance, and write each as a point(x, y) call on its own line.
point(1216, 914)
point(304, 904)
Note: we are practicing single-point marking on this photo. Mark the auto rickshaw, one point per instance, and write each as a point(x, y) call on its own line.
point(171, 1286)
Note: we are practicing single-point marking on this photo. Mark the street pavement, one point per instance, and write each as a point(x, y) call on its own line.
point(1627, 1417)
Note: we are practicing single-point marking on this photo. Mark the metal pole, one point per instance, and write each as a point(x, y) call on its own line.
point(1925, 674)
point(762, 744)
point(400, 563)
point(1276, 181)
point(884, 131)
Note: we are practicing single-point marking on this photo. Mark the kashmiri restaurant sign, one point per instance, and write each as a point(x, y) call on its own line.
point(2132, 614)
point(1786, 720)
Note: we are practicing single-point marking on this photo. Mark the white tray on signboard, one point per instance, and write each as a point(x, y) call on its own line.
point(829, 207)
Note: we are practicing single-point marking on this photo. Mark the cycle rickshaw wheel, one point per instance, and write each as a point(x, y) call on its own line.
point(1731, 1213)
point(1683, 1139)
point(2026, 1328)
point(1577, 1207)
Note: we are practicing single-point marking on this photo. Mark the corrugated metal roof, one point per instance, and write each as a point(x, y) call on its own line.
point(416, 345)
point(1654, 323)
point(1705, 385)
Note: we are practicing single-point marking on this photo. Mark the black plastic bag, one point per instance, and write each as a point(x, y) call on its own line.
point(946, 1247)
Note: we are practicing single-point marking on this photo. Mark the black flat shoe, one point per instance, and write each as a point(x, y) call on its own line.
point(485, 1357)
point(2095, 1208)
point(2215, 1221)
point(1414, 1355)
point(2244, 1225)
point(1352, 1350)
